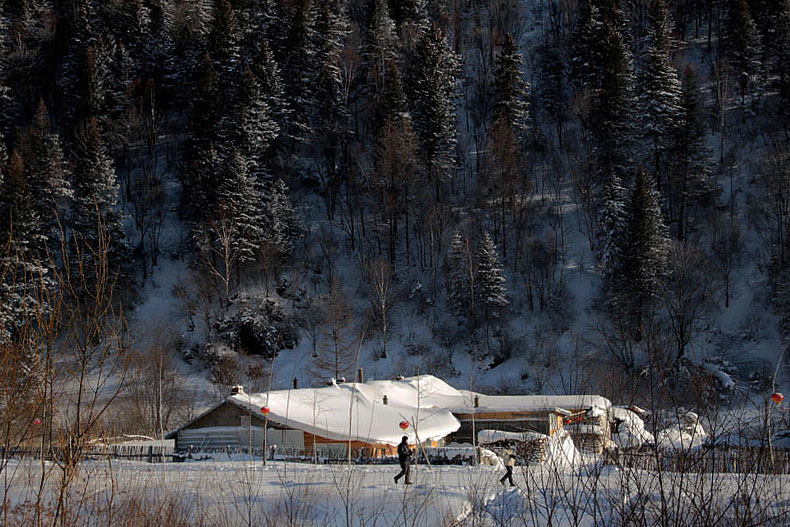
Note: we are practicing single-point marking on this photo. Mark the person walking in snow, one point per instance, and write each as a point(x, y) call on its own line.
point(404, 458)
point(510, 462)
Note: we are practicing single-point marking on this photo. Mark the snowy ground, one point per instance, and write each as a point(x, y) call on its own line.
point(245, 492)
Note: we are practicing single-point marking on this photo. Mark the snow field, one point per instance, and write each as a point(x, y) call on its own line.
point(245, 492)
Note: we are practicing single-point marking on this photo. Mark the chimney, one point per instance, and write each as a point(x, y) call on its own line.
point(236, 390)
point(361, 375)
point(385, 399)
point(296, 383)
point(477, 401)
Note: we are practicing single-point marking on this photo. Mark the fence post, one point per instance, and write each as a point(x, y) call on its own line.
point(150, 453)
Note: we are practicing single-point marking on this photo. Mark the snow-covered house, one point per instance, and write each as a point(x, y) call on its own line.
point(325, 419)
point(369, 416)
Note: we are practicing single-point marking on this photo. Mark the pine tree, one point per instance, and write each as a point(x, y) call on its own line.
point(238, 197)
point(258, 129)
point(3, 158)
point(613, 107)
point(96, 196)
point(409, 12)
point(611, 226)
point(585, 49)
point(267, 72)
point(380, 50)
point(434, 86)
point(642, 252)
point(85, 72)
point(690, 170)
point(298, 69)
point(511, 92)
point(280, 219)
point(22, 251)
point(222, 38)
point(490, 280)
point(46, 169)
point(741, 41)
point(457, 288)
point(330, 113)
point(659, 90)
point(8, 107)
point(393, 104)
point(202, 136)
point(781, 52)
point(20, 222)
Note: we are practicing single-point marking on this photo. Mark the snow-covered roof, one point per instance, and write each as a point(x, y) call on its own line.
point(352, 411)
point(494, 436)
point(358, 410)
point(434, 392)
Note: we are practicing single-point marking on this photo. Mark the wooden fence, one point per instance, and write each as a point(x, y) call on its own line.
point(149, 453)
point(705, 460)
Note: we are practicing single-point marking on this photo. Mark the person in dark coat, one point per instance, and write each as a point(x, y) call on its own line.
point(510, 462)
point(404, 458)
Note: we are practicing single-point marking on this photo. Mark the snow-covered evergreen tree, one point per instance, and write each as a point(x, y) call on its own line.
point(457, 287)
point(3, 158)
point(20, 222)
point(200, 184)
point(611, 226)
point(258, 129)
point(238, 197)
point(642, 252)
point(298, 65)
point(330, 113)
point(490, 280)
point(659, 90)
point(47, 172)
point(267, 71)
point(96, 196)
point(613, 107)
point(511, 92)
point(23, 266)
point(433, 90)
point(280, 220)
point(84, 81)
point(380, 50)
point(8, 108)
point(222, 38)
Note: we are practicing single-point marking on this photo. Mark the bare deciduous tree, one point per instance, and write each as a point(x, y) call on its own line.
point(338, 359)
point(685, 294)
point(380, 296)
point(219, 251)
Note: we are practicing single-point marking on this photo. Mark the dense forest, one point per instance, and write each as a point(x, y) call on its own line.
point(582, 192)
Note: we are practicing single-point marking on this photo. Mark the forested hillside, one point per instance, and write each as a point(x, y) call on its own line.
point(516, 195)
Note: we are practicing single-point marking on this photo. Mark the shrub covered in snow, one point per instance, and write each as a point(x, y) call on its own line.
point(686, 433)
point(260, 328)
point(630, 429)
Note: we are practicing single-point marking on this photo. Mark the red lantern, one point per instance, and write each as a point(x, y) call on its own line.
point(403, 425)
point(265, 410)
point(37, 421)
point(777, 397)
